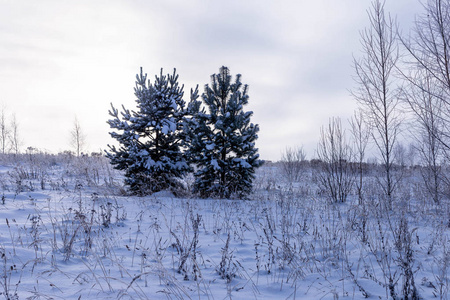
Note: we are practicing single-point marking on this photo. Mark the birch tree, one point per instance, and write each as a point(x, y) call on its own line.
point(376, 90)
point(78, 139)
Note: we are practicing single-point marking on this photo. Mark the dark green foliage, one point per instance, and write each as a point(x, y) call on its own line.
point(223, 139)
point(152, 137)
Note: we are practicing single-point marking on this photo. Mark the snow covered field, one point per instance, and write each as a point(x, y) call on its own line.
point(67, 232)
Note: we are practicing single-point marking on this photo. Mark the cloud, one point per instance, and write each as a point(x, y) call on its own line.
point(66, 58)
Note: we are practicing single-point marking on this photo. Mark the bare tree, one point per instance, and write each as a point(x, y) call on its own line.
point(292, 163)
point(14, 137)
point(4, 131)
point(428, 90)
point(429, 59)
point(376, 92)
point(78, 139)
point(424, 99)
point(333, 150)
point(400, 153)
point(361, 134)
point(411, 156)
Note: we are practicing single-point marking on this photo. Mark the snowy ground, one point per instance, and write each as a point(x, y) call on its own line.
point(66, 233)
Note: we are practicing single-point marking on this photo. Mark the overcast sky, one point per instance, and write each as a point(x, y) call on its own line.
point(61, 59)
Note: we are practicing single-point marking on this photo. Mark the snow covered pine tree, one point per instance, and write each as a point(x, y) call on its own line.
point(222, 141)
point(151, 138)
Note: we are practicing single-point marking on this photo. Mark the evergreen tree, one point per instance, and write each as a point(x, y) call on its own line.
point(152, 137)
point(223, 139)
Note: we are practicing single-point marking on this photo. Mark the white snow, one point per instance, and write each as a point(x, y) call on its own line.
point(242, 162)
point(215, 164)
point(210, 146)
point(80, 238)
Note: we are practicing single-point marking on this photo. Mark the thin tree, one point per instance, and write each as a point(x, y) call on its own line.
point(78, 138)
point(361, 135)
point(292, 163)
point(429, 59)
point(4, 131)
point(428, 89)
point(424, 99)
point(400, 156)
point(376, 91)
point(14, 137)
point(337, 176)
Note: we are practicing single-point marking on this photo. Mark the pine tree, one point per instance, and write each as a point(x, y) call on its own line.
point(152, 137)
point(223, 140)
